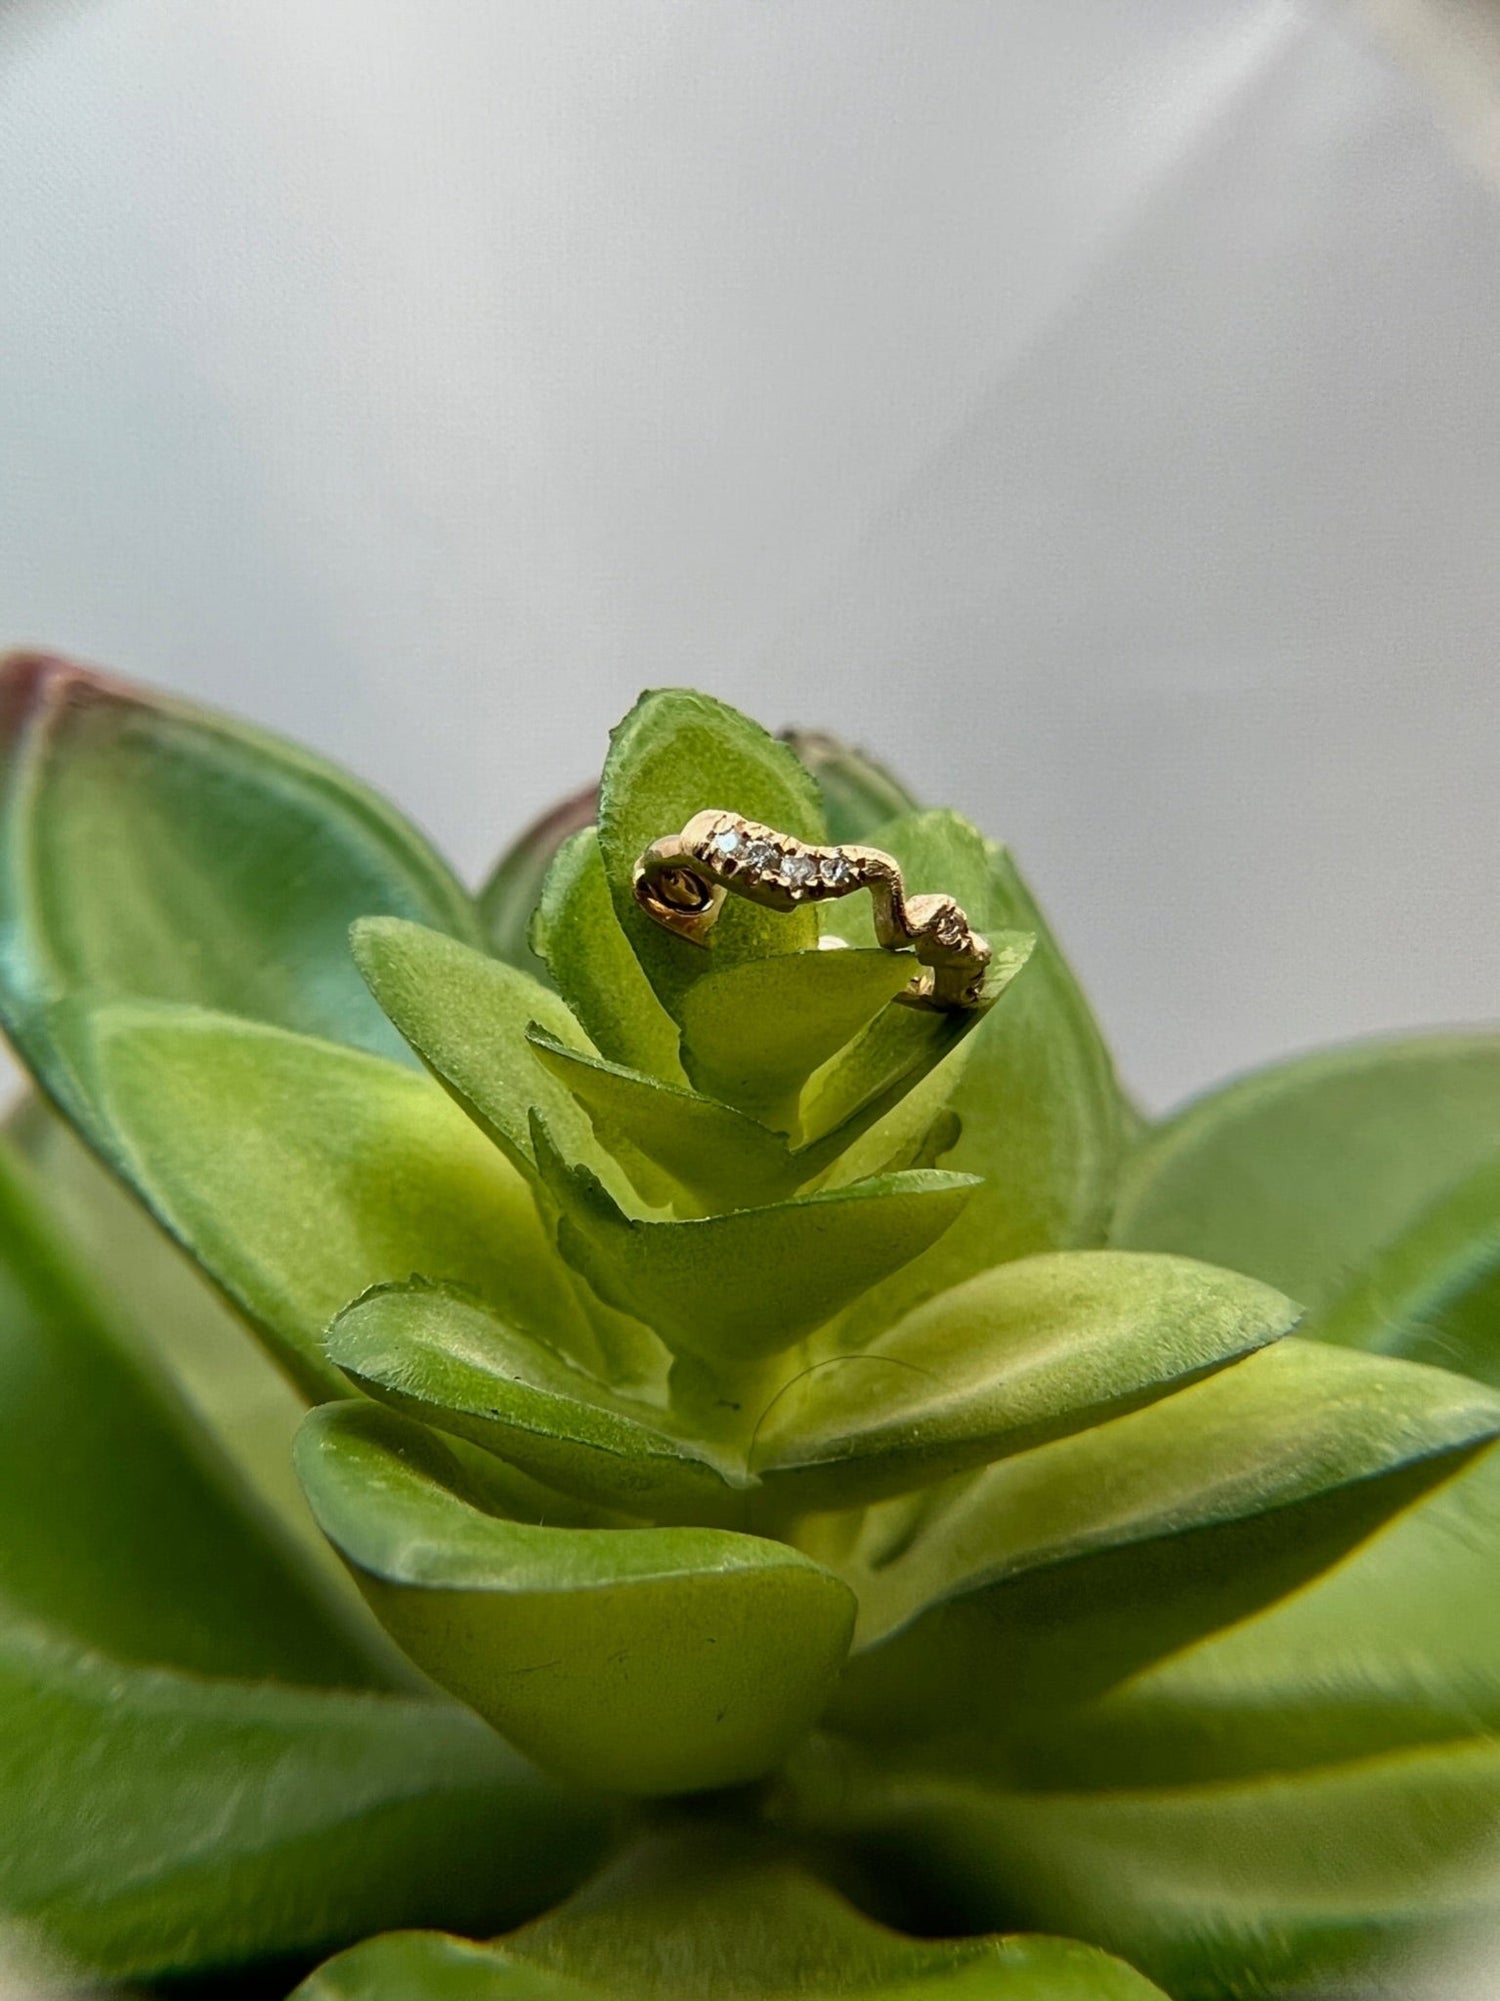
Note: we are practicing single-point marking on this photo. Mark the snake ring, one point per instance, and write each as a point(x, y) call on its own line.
point(682, 880)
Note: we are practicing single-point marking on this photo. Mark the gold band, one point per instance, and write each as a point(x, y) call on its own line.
point(682, 881)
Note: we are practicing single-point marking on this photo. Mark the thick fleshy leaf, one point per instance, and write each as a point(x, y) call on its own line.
point(1432, 1293)
point(722, 1158)
point(939, 851)
point(151, 850)
point(1056, 1573)
point(904, 1046)
point(719, 1156)
point(640, 1660)
point(595, 969)
point(157, 1822)
point(736, 1288)
point(1042, 1118)
point(121, 1527)
point(1302, 1173)
point(1007, 1361)
point(245, 1403)
point(191, 1719)
point(753, 1033)
point(298, 1173)
point(509, 899)
point(442, 1357)
point(1397, 1645)
point(1322, 1881)
point(702, 1912)
point(466, 1015)
point(676, 754)
point(858, 793)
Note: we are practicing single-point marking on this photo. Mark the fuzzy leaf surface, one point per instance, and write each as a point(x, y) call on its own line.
point(723, 1158)
point(1432, 1293)
point(1056, 1573)
point(739, 1287)
point(445, 1359)
point(1005, 1362)
point(152, 850)
point(244, 1402)
point(298, 1173)
point(594, 967)
point(1042, 1119)
point(1302, 1174)
point(466, 1015)
point(1396, 1645)
point(683, 1916)
point(676, 754)
point(638, 1660)
point(1299, 1882)
point(753, 1033)
point(190, 1718)
point(904, 1046)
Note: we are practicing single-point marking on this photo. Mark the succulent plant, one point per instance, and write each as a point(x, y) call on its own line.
point(839, 1504)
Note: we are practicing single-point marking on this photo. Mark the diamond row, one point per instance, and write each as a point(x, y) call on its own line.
point(751, 853)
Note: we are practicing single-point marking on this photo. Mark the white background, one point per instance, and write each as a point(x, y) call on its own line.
point(1094, 406)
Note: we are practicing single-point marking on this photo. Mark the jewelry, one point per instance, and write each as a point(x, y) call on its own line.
point(681, 881)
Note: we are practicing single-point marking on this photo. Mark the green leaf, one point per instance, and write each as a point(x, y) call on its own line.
point(1325, 1881)
point(676, 754)
point(466, 1015)
point(1432, 1294)
point(939, 852)
point(443, 1358)
point(1397, 1645)
point(1042, 1113)
point(118, 1516)
point(591, 961)
point(1305, 1794)
point(157, 1822)
point(903, 1046)
point(701, 1911)
point(1059, 1571)
point(720, 1157)
point(641, 1660)
point(858, 793)
point(205, 1760)
point(241, 1399)
point(1007, 1361)
point(1043, 1121)
point(298, 1173)
point(151, 850)
point(736, 1288)
point(753, 1033)
point(1302, 1173)
point(508, 902)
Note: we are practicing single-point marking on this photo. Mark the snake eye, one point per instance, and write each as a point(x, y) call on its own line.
point(682, 889)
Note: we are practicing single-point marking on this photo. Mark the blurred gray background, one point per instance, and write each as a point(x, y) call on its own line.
point(1094, 407)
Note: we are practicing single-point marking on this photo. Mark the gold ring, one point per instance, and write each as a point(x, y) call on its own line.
point(681, 881)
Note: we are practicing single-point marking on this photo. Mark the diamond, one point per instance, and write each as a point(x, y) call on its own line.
point(726, 844)
point(763, 856)
point(799, 871)
point(838, 871)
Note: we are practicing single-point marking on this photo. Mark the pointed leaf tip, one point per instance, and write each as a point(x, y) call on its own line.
point(738, 1287)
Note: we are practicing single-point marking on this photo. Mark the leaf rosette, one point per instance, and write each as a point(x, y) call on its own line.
point(726, 1387)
